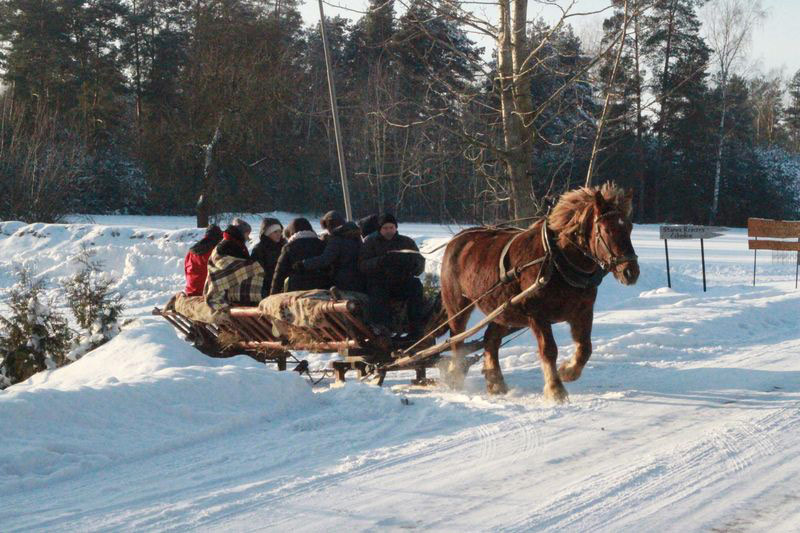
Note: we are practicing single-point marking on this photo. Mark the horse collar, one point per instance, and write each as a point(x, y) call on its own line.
point(574, 276)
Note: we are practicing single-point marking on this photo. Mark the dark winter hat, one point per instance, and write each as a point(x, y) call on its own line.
point(213, 232)
point(243, 226)
point(368, 224)
point(386, 218)
point(297, 225)
point(332, 220)
point(268, 225)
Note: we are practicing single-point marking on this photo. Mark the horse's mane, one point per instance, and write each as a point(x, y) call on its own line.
point(574, 206)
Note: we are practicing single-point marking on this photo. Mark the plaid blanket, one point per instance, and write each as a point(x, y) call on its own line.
point(233, 281)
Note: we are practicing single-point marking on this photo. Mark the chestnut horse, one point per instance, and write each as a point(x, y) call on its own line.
point(566, 255)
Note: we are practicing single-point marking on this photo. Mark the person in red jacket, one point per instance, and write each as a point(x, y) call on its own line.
point(196, 263)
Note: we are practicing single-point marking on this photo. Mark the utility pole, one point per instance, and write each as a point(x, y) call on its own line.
point(335, 110)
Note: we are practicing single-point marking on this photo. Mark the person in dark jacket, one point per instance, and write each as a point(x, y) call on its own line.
point(303, 243)
point(341, 253)
point(269, 246)
point(368, 225)
point(392, 263)
point(195, 264)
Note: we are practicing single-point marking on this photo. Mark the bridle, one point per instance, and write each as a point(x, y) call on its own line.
point(615, 260)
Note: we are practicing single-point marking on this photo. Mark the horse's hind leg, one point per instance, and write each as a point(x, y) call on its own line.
point(495, 384)
point(548, 352)
point(454, 371)
point(581, 330)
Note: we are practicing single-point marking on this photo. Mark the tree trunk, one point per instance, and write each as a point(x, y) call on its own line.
point(205, 204)
point(516, 105)
point(718, 165)
point(664, 114)
point(640, 162)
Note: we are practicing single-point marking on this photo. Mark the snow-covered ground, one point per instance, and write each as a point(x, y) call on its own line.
point(687, 417)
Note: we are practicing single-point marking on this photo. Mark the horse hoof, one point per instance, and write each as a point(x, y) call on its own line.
point(556, 394)
point(495, 384)
point(496, 387)
point(569, 373)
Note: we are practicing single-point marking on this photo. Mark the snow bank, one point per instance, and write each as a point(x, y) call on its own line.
point(143, 393)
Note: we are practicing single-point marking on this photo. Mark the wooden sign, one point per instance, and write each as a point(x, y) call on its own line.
point(773, 229)
point(687, 231)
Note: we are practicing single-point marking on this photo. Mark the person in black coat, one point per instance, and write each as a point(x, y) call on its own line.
point(392, 263)
point(303, 243)
point(341, 253)
point(269, 247)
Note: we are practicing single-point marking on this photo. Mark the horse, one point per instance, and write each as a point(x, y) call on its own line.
point(554, 269)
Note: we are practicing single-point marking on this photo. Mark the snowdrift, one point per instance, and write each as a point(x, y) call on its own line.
point(144, 392)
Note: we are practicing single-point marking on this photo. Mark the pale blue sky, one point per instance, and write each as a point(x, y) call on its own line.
point(775, 45)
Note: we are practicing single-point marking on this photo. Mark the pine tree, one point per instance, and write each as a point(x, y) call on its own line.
point(34, 337)
point(678, 58)
point(95, 308)
point(626, 125)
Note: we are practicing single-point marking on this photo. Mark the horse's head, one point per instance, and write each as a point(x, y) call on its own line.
point(609, 239)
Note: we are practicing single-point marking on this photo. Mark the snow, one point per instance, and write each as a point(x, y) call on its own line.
point(686, 418)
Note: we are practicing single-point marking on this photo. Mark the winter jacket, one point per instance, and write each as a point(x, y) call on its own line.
point(383, 259)
point(196, 268)
point(302, 245)
point(341, 258)
point(267, 252)
point(195, 264)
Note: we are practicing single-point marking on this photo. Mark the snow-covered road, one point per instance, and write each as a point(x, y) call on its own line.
point(687, 417)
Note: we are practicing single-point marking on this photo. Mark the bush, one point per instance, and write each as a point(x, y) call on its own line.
point(95, 310)
point(34, 337)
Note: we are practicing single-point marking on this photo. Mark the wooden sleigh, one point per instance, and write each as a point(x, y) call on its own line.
point(341, 330)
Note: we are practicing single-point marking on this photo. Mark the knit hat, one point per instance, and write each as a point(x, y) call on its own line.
point(386, 218)
point(268, 225)
point(243, 226)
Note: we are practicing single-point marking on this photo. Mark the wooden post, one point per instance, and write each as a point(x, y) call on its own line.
point(797, 265)
point(281, 363)
point(755, 253)
point(666, 253)
point(703, 261)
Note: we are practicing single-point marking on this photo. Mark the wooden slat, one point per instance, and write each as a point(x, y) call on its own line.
point(774, 245)
point(764, 227)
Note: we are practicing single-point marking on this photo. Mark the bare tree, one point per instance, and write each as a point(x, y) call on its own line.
point(729, 24)
point(40, 161)
point(518, 59)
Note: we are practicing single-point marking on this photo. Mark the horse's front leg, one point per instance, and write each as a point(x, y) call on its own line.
point(495, 383)
point(581, 329)
point(548, 352)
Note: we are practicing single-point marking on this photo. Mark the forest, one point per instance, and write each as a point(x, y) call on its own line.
point(141, 106)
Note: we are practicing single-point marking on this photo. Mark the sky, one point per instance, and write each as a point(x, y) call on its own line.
point(775, 43)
